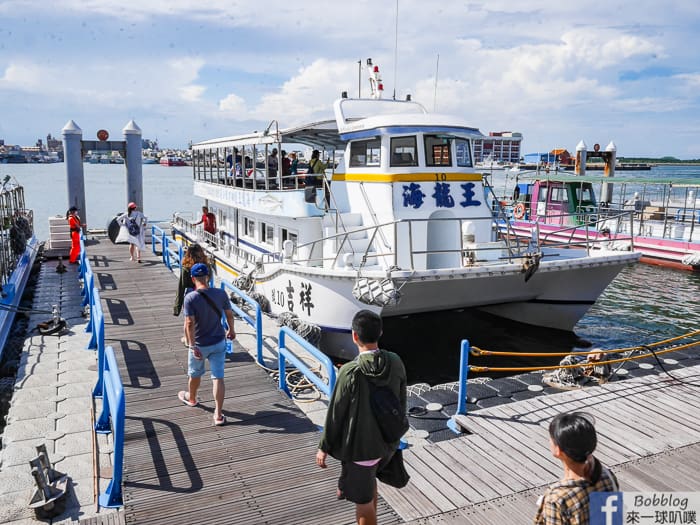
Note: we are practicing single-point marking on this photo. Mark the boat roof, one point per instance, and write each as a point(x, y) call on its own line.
point(376, 117)
point(558, 177)
point(322, 133)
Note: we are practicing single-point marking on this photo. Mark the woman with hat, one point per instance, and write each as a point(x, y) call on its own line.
point(132, 230)
point(74, 224)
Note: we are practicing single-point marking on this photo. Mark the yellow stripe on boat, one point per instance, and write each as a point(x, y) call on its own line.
point(407, 177)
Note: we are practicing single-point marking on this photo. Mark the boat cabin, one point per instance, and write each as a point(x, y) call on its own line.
point(557, 202)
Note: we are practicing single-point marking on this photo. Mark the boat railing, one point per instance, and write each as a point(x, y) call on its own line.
point(596, 227)
point(405, 257)
point(219, 242)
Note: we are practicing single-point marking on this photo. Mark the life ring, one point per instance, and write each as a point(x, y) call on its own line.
point(519, 210)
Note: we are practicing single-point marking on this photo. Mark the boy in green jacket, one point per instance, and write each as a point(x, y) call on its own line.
point(351, 434)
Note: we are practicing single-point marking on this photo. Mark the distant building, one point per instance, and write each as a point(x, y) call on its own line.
point(503, 146)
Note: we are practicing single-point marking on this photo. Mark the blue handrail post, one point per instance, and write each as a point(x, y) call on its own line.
point(96, 319)
point(114, 410)
point(462, 395)
point(82, 257)
point(153, 239)
point(255, 323)
point(163, 240)
point(285, 354)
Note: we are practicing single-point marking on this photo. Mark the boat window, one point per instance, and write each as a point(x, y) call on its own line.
point(403, 151)
point(249, 227)
point(542, 194)
point(464, 156)
point(365, 153)
point(585, 194)
point(437, 151)
point(267, 233)
point(289, 236)
point(559, 194)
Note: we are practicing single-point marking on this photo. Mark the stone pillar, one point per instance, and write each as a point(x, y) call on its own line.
point(581, 154)
point(134, 165)
point(610, 158)
point(73, 158)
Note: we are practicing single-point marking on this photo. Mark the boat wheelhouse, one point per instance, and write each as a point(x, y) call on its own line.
point(397, 222)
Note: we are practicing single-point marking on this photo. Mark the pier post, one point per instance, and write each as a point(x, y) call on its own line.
point(73, 157)
point(609, 157)
point(134, 164)
point(581, 154)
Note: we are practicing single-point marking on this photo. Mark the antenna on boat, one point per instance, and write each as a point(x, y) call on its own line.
point(437, 67)
point(359, 79)
point(396, 47)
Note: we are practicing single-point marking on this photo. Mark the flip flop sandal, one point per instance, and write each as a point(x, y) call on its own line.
point(220, 422)
point(185, 398)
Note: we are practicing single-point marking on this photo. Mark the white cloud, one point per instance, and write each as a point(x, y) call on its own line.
point(23, 77)
point(233, 105)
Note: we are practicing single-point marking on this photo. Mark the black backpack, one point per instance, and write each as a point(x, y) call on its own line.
point(392, 421)
point(133, 227)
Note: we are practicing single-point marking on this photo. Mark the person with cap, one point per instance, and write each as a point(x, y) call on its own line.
point(203, 329)
point(133, 224)
point(75, 225)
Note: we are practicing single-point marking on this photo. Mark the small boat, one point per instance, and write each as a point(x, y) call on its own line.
point(658, 218)
point(172, 160)
point(149, 160)
point(397, 222)
point(18, 249)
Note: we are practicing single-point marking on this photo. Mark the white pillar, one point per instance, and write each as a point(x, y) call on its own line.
point(73, 158)
point(134, 164)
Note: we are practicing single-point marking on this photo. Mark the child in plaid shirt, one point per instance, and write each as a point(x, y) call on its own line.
point(572, 440)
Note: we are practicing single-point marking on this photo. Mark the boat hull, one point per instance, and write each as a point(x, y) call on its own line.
point(556, 296)
point(14, 289)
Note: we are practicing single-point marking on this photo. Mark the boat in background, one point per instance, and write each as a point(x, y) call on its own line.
point(658, 218)
point(18, 249)
point(172, 160)
point(396, 223)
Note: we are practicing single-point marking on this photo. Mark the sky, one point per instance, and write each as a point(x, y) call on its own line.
point(626, 71)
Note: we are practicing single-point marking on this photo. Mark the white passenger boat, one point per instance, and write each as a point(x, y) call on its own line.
point(399, 224)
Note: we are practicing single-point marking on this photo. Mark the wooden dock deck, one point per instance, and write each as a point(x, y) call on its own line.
point(260, 467)
point(179, 468)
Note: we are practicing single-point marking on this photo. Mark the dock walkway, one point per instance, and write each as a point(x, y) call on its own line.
point(260, 467)
point(179, 468)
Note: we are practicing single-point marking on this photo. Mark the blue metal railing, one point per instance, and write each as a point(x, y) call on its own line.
point(285, 354)
point(109, 384)
point(114, 410)
point(255, 323)
point(462, 396)
point(97, 342)
point(157, 237)
point(171, 257)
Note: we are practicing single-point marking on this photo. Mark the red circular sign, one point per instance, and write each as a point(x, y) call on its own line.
point(102, 134)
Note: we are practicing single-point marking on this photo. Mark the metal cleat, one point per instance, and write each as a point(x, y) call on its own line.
point(48, 498)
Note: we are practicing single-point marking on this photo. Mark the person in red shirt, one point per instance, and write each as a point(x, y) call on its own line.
point(74, 224)
point(208, 221)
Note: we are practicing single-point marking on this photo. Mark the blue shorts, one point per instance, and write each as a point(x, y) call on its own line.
point(216, 354)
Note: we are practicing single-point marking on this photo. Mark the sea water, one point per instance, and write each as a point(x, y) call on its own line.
point(642, 305)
